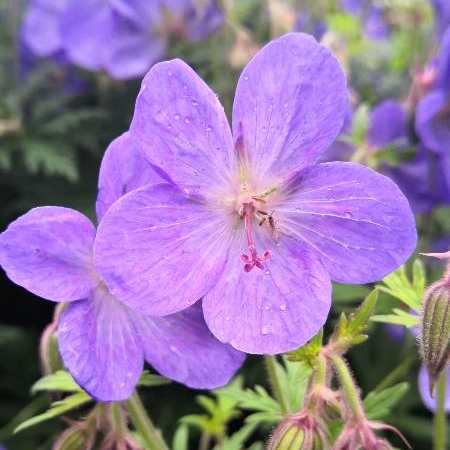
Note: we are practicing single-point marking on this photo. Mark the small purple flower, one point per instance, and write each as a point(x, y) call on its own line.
point(433, 110)
point(251, 224)
point(424, 390)
point(103, 343)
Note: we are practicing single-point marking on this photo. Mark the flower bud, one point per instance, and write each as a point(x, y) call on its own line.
point(434, 338)
point(298, 432)
point(74, 438)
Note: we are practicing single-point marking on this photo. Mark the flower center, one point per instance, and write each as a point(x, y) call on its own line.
point(247, 212)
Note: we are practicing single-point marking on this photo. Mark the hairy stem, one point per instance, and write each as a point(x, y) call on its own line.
point(439, 422)
point(150, 435)
point(275, 384)
point(348, 384)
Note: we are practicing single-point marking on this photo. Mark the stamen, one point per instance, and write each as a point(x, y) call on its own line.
point(255, 260)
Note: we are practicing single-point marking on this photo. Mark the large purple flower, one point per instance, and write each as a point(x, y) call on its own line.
point(103, 343)
point(250, 222)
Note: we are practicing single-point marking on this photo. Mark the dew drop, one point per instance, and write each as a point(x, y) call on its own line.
point(267, 307)
point(286, 104)
point(264, 330)
point(176, 116)
point(194, 103)
point(245, 77)
point(283, 307)
point(169, 73)
point(227, 318)
point(267, 272)
point(122, 384)
point(348, 215)
point(185, 87)
point(187, 120)
point(208, 128)
point(173, 348)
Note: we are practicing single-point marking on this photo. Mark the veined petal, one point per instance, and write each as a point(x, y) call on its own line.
point(273, 310)
point(159, 251)
point(181, 347)
point(358, 221)
point(183, 128)
point(290, 104)
point(123, 169)
point(100, 347)
point(49, 252)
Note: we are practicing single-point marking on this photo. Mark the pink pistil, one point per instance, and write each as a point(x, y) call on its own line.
point(255, 260)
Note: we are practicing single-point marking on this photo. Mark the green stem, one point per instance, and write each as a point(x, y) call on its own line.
point(319, 380)
point(439, 422)
point(397, 373)
point(117, 417)
point(151, 436)
point(275, 384)
point(348, 384)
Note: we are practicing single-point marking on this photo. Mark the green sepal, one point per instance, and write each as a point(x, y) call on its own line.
point(308, 352)
point(149, 380)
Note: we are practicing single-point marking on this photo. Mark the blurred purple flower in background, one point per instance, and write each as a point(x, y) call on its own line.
point(441, 10)
point(124, 38)
point(103, 343)
point(256, 228)
point(424, 390)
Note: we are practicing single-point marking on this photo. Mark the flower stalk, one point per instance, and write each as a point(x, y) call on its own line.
point(151, 437)
point(275, 384)
point(439, 423)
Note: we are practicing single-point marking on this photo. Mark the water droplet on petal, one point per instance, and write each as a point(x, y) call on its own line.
point(176, 116)
point(348, 215)
point(267, 272)
point(264, 330)
point(185, 86)
point(187, 120)
point(245, 77)
point(227, 318)
point(286, 104)
point(283, 307)
point(173, 348)
point(194, 103)
point(208, 128)
point(169, 73)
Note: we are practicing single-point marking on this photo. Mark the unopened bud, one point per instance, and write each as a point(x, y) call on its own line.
point(74, 438)
point(434, 339)
point(298, 432)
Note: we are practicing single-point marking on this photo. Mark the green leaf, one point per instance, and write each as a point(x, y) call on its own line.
point(60, 381)
point(360, 125)
point(57, 408)
point(237, 440)
point(398, 286)
point(149, 379)
point(181, 438)
point(399, 317)
point(378, 404)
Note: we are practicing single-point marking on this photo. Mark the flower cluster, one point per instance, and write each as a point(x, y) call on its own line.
point(241, 226)
point(136, 31)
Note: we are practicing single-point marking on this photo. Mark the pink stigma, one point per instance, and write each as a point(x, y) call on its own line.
point(255, 259)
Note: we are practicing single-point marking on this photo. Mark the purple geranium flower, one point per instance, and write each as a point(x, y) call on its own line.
point(103, 343)
point(137, 31)
point(251, 224)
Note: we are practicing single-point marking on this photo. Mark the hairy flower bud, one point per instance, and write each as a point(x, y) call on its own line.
point(74, 438)
point(299, 432)
point(434, 338)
